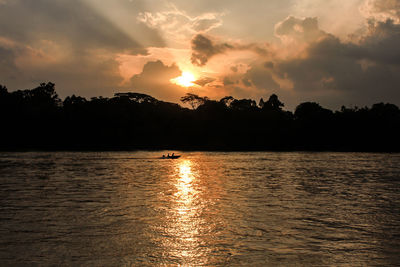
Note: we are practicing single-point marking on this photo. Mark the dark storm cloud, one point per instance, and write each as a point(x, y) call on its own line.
point(383, 42)
point(330, 70)
point(326, 64)
point(261, 78)
point(361, 72)
point(203, 48)
point(332, 58)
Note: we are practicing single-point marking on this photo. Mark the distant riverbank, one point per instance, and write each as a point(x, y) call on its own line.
point(38, 119)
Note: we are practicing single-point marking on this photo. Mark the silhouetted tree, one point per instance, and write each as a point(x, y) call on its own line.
point(261, 103)
point(3, 90)
point(3, 96)
point(74, 100)
point(273, 103)
point(37, 119)
point(45, 94)
point(311, 111)
point(137, 97)
point(314, 126)
point(193, 100)
point(243, 104)
point(227, 100)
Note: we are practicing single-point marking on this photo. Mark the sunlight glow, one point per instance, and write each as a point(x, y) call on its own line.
point(184, 184)
point(184, 225)
point(185, 80)
point(184, 221)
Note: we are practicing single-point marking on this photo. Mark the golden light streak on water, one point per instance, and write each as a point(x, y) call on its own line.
point(184, 222)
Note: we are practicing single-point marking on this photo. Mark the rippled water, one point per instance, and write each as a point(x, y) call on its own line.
point(260, 209)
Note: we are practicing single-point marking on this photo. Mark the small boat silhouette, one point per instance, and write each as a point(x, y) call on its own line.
point(171, 157)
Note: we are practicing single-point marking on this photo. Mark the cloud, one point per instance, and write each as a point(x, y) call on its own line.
point(155, 80)
point(156, 73)
point(204, 81)
point(355, 73)
point(382, 42)
point(234, 69)
point(8, 52)
point(63, 41)
point(327, 65)
point(93, 73)
point(382, 10)
point(227, 81)
point(84, 46)
point(70, 22)
point(326, 68)
point(298, 30)
point(261, 77)
point(178, 26)
point(206, 23)
point(203, 48)
point(338, 17)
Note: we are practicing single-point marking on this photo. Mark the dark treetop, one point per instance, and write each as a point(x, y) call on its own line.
point(39, 119)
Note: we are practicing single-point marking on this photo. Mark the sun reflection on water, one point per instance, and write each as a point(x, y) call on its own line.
point(185, 221)
point(184, 186)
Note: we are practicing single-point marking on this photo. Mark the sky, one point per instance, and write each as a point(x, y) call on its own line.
point(334, 52)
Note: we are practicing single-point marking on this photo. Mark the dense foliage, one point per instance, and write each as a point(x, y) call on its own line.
point(38, 119)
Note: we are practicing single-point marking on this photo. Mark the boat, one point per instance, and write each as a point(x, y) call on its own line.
point(171, 157)
point(174, 157)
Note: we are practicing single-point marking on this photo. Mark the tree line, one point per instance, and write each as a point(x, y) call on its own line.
point(37, 119)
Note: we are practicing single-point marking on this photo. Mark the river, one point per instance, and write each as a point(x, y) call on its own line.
point(204, 209)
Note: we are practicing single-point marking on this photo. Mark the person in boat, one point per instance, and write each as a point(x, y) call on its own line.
point(173, 154)
point(168, 155)
point(163, 156)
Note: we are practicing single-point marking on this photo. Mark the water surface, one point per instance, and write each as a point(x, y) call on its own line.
point(260, 209)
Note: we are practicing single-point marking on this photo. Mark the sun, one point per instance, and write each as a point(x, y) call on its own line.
point(185, 80)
